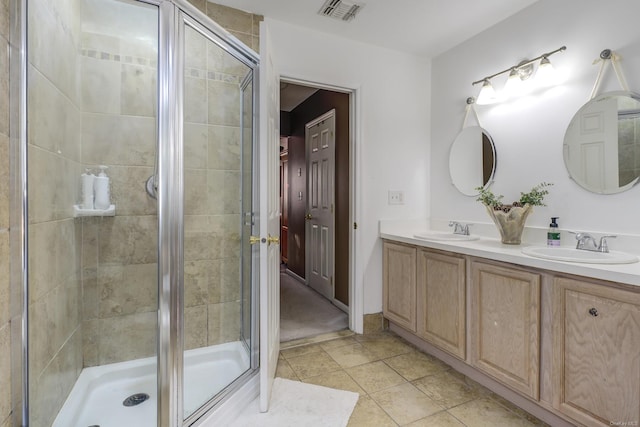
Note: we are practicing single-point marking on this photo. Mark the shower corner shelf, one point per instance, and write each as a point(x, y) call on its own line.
point(79, 212)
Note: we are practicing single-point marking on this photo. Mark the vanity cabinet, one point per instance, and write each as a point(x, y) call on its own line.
point(560, 346)
point(596, 355)
point(441, 310)
point(505, 319)
point(399, 284)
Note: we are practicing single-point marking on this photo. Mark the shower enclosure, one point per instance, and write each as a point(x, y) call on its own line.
point(144, 313)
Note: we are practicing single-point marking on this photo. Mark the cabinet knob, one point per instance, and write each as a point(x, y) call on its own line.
point(593, 312)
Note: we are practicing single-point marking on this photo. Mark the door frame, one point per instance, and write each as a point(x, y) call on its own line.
point(356, 287)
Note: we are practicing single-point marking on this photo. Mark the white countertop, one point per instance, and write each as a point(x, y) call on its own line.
point(492, 248)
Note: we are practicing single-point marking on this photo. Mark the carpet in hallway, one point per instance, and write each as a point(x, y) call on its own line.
point(305, 313)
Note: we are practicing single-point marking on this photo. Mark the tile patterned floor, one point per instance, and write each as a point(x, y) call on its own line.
point(398, 384)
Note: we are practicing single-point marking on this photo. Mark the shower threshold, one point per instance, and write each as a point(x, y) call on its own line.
point(99, 394)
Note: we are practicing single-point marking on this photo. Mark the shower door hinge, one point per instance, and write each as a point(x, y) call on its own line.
point(248, 218)
point(355, 225)
point(331, 280)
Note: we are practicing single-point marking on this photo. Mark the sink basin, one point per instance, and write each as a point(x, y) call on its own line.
point(432, 235)
point(575, 255)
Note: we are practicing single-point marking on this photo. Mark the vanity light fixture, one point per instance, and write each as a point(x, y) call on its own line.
point(517, 83)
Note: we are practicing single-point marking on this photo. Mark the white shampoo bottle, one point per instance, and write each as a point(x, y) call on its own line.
point(101, 189)
point(87, 181)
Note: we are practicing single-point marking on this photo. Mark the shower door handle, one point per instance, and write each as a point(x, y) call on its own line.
point(273, 239)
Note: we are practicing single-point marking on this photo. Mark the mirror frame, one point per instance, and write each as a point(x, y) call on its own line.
point(484, 132)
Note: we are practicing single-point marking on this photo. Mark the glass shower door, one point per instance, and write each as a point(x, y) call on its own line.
point(218, 162)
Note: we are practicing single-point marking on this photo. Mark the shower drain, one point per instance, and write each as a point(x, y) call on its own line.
point(135, 399)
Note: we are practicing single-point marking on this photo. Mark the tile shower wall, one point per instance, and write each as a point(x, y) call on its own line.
point(212, 180)
point(119, 254)
point(5, 312)
point(54, 236)
point(212, 194)
point(243, 25)
point(119, 270)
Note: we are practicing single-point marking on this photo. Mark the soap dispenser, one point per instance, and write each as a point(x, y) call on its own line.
point(87, 181)
point(553, 235)
point(101, 189)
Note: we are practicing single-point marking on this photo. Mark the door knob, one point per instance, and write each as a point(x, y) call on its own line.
point(273, 239)
point(308, 216)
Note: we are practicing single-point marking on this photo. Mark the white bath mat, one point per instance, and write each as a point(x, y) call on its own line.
point(295, 404)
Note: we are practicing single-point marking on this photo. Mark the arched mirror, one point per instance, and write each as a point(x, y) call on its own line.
point(472, 160)
point(602, 143)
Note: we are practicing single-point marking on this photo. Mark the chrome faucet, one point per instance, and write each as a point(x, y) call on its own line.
point(603, 246)
point(459, 228)
point(586, 242)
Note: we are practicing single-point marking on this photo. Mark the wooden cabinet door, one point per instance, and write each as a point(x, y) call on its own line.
point(399, 284)
point(596, 353)
point(505, 322)
point(441, 306)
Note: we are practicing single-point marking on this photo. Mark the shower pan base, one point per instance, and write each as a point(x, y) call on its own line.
point(98, 395)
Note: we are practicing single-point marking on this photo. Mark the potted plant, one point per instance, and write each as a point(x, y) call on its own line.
point(510, 218)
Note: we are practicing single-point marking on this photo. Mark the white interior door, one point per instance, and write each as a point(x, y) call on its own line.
point(320, 143)
point(592, 160)
point(269, 217)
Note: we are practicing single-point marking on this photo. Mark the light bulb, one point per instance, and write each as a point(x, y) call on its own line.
point(514, 86)
point(487, 94)
point(546, 74)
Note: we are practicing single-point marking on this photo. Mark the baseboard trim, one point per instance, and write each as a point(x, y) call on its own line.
point(295, 276)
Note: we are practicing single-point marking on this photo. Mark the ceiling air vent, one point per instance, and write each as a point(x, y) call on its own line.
point(339, 9)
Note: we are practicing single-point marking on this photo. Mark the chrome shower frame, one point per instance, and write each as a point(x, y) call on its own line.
point(173, 16)
point(19, 295)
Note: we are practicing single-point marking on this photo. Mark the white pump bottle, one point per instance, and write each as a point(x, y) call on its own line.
point(101, 190)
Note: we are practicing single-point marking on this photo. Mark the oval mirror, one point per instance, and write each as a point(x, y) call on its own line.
point(602, 144)
point(472, 160)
